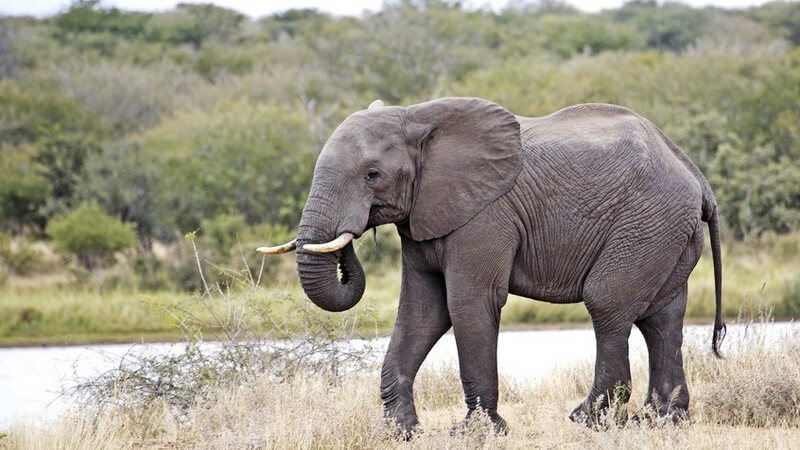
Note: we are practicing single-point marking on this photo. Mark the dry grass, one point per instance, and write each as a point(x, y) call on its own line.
point(749, 400)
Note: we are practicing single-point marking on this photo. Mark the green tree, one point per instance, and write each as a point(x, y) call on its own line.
point(84, 16)
point(671, 26)
point(22, 202)
point(91, 235)
point(62, 161)
point(128, 184)
point(252, 159)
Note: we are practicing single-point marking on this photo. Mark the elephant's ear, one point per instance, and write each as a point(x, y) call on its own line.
point(469, 157)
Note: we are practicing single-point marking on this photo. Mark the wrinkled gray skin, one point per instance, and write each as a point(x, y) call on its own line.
point(592, 203)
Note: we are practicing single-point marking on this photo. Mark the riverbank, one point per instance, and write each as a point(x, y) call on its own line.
point(65, 313)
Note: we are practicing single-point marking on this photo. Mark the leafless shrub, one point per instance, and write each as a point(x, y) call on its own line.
point(248, 336)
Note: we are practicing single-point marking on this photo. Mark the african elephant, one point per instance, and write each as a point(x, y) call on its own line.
point(592, 203)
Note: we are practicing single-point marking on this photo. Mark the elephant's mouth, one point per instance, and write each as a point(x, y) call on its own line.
point(344, 274)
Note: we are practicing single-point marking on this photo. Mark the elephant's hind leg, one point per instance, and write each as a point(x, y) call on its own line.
point(612, 373)
point(663, 333)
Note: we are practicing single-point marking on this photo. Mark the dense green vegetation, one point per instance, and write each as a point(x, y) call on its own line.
point(202, 120)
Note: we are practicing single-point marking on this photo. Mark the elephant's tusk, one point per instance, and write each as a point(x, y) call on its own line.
point(278, 249)
point(331, 246)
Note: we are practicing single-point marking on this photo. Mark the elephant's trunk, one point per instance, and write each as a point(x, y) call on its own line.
point(333, 280)
point(322, 282)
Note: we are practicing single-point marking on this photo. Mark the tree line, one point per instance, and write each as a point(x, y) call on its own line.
point(201, 119)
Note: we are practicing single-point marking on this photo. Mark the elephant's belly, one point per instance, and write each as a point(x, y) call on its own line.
point(525, 283)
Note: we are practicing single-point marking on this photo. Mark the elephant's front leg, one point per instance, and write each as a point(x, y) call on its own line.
point(475, 303)
point(421, 320)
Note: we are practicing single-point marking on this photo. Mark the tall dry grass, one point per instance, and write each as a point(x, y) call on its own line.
point(751, 399)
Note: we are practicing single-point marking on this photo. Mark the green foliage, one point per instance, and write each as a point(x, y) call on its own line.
point(84, 16)
point(214, 61)
point(256, 159)
point(671, 26)
point(223, 231)
point(62, 161)
point(23, 198)
point(127, 184)
point(215, 22)
point(91, 235)
point(174, 28)
point(783, 17)
point(18, 257)
point(30, 107)
point(570, 35)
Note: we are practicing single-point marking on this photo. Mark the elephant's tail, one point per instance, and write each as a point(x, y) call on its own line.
point(710, 215)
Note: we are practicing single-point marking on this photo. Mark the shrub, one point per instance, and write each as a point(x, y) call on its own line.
point(125, 97)
point(251, 339)
point(91, 235)
point(30, 105)
point(222, 232)
point(20, 259)
point(152, 274)
point(85, 17)
point(22, 201)
point(128, 184)
point(256, 159)
point(62, 161)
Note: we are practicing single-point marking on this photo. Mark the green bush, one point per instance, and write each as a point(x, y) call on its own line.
point(222, 232)
point(61, 159)
point(30, 107)
point(22, 202)
point(21, 258)
point(252, 159)
point(91, 235)
point(85, 17)
point(152, 274)
point(569, 35)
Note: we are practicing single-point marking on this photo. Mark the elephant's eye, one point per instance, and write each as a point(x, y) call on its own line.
point(372, 174)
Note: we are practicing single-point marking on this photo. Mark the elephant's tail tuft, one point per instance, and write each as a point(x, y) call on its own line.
point(710, 215)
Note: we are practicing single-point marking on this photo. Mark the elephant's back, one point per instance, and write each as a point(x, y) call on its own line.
point(595, 172)
point(605, 146)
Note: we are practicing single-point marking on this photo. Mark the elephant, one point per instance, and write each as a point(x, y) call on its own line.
point(592, 204)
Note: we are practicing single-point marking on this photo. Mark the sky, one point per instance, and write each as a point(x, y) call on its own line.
point(256, 8)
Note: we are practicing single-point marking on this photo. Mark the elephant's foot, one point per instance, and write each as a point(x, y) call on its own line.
point(584, 413)
point(403, 422)
point(663, 413)
point(597, 414)
point(497, 424)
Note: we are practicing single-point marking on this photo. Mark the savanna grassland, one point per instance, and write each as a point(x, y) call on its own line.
point(143, 156)
point(121, 132)
point(751, 399)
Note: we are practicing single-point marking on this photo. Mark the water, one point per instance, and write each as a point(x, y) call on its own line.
point(31, 377)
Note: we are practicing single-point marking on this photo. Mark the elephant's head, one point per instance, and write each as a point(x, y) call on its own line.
point(432, 166)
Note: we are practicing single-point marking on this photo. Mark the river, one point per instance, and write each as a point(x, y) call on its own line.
point(32, 377)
